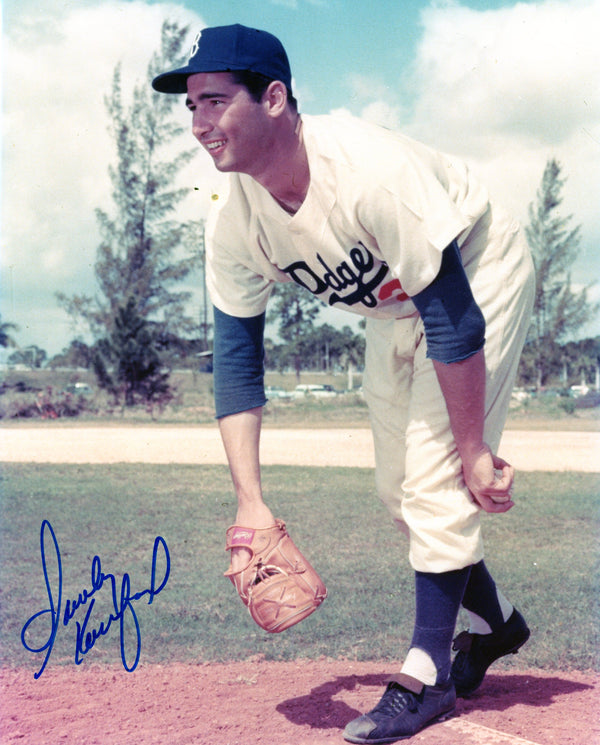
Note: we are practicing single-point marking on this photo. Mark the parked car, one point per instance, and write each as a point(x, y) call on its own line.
point(276, 392)
point(579, 390)
point(79, 389)
point(318, 391)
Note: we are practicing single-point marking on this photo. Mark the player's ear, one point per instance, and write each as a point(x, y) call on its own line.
point(275, 98)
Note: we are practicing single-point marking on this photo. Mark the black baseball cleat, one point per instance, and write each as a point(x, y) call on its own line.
point(476, 652)
point(401, 713)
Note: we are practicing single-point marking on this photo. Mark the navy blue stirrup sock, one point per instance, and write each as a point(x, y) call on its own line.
point(481, 597)
point(438, 598)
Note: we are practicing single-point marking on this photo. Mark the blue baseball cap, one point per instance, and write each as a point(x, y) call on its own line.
point(229, 48)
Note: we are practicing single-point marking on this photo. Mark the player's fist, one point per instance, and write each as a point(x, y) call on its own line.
point(490, 480)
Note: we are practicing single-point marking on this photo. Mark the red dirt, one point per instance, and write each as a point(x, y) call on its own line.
point(273, 703)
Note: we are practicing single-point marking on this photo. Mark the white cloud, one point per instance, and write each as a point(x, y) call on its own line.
point(377, 103)
point(529, 71)
point(509, 88)
point(367, 87)
point(383, 113)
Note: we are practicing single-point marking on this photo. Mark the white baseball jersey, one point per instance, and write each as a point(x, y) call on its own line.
point(379, 211)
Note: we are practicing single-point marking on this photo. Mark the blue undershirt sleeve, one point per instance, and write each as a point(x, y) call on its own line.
point(454, 323)
point(238, 363)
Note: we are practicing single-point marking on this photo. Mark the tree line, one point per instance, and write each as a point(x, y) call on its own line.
point(139, 317)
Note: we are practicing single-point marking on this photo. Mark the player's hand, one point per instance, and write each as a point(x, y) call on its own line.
point(256, 515)
point(489, 479)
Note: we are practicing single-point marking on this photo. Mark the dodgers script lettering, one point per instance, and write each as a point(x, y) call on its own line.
point(351, 282)
point(45, 624)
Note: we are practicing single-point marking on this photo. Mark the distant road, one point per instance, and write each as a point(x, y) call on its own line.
point(527, 451)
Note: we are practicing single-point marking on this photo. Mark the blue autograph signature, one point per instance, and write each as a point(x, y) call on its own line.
point(87, 634)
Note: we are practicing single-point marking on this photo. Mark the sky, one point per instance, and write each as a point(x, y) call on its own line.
point(504, 85)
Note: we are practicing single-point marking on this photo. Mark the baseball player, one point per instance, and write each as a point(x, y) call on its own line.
point(377, 224)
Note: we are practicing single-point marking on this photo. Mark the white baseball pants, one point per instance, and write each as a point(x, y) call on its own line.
point(418, 470)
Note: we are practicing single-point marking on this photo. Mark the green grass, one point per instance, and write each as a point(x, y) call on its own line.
point(544, 553)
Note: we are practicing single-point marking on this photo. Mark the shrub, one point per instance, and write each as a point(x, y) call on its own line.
point(567, 405)
point(47, 404)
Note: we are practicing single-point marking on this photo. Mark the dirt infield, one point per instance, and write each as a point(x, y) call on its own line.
point(527, 451)
point(294, 703)
point(272, 703)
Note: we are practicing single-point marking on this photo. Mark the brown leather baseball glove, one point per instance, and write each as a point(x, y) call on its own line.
point(278, 585)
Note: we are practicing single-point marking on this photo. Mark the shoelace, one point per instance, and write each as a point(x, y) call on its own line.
point(395, 700)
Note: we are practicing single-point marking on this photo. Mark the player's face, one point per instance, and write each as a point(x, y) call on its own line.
point(228, 122)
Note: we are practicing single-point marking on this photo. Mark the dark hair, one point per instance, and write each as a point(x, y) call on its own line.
point(256, 85)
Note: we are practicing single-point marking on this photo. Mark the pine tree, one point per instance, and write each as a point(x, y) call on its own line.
point(558, 311)
point(144, 252)
point(138, 374)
